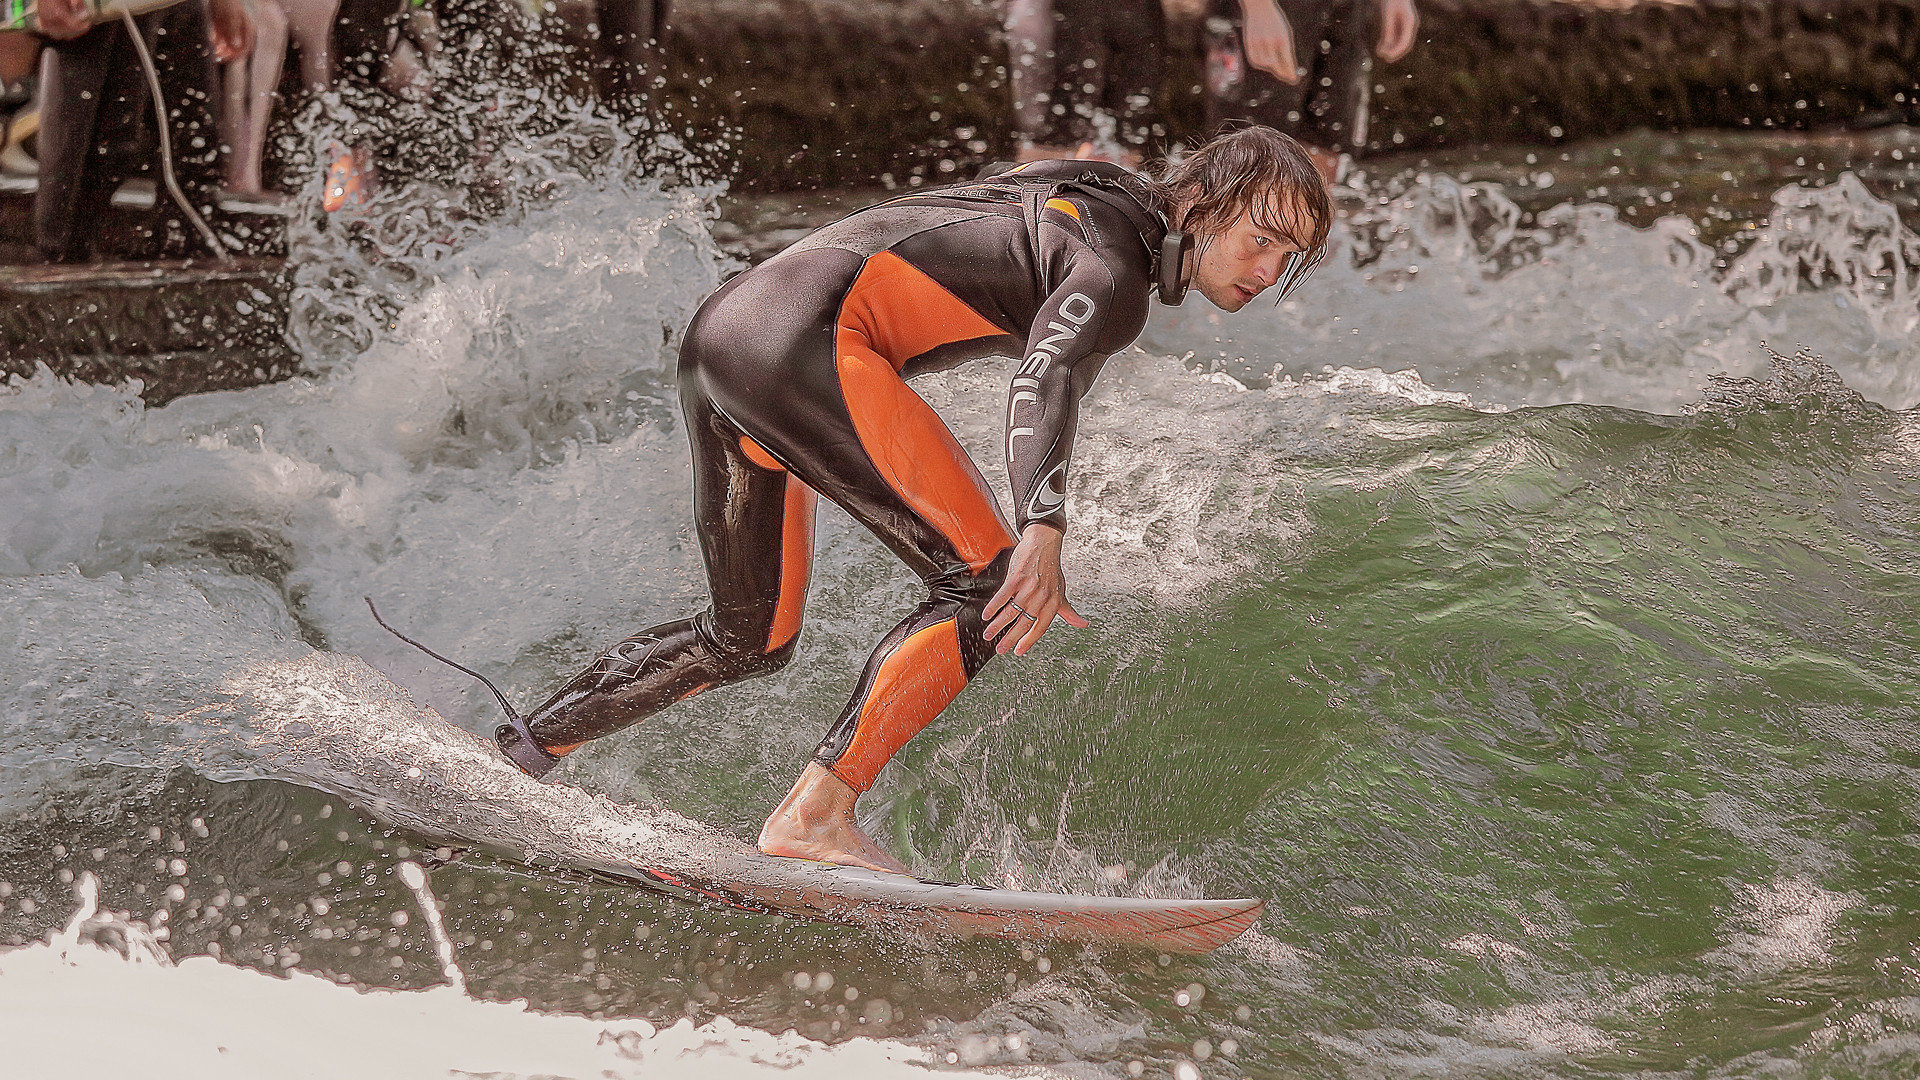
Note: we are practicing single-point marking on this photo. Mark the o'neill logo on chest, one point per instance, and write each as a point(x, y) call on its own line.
point(1074, 313)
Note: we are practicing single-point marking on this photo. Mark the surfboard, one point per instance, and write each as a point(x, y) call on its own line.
point(333, 722)
point(859, 897)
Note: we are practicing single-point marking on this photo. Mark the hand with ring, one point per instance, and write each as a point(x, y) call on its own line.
point(1034, 593)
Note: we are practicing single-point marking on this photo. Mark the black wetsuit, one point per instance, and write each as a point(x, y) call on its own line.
point(792, 383)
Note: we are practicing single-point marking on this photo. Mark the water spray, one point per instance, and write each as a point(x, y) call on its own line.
point(166, 140)
point(416, 879)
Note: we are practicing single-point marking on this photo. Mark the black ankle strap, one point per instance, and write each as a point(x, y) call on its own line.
point(521, 749)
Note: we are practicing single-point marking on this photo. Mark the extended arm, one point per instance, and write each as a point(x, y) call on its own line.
point(1267, 38)
point(1043, 402)
point(1398, 23)
point(1064, 354)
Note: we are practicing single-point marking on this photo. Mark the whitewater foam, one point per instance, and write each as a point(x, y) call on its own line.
point(202, 1018)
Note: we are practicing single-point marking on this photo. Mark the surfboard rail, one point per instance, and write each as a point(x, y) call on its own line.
point(855, 896)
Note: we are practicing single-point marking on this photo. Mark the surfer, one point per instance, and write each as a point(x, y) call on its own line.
point(792, 384)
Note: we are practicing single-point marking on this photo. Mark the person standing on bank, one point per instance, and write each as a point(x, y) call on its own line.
point(94, 101)
point(1085, 76)
point(1303, 67)
point(792, 383)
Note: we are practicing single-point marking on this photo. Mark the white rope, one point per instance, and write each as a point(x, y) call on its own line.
point(166, 141)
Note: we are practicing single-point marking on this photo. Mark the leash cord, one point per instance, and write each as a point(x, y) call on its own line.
point(166, 142)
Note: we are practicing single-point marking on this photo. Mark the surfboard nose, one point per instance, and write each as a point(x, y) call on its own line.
point(1216, 923)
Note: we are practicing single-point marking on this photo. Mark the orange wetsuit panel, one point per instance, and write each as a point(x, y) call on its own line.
point(758, 454)
point(899, 312)
point(921, 678)
point(894, 313)
point(796, 564)
point(796, 548)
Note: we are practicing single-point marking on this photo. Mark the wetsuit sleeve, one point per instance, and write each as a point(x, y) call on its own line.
point(1064, 353)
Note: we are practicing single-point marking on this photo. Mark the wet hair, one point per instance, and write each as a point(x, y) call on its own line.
point(1255, 170)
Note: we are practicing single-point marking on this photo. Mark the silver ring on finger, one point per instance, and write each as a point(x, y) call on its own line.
point(1021, 610)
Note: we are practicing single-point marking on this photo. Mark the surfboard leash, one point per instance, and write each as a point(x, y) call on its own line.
point(534, 767)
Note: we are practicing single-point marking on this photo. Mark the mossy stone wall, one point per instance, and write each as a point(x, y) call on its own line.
point(843, 92)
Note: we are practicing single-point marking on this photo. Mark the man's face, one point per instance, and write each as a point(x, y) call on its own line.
point(1240, 264)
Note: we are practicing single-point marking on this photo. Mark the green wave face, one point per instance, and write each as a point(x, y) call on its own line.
point(1570, 741)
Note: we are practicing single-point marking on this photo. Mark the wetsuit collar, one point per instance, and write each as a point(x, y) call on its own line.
point(1167, 247)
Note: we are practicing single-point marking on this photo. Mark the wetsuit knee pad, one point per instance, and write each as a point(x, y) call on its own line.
point(969, 590)
point(753, 663)
point(747, 658)
point(918, 669)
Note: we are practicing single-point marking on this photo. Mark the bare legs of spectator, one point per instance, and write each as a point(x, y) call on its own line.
point(406, 74)
point(251, 83)
point(1030, 76)
point(310, 24)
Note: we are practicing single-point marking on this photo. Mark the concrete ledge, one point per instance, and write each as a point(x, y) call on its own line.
point(1540, 70)
point(179, 327)
point(835, 93)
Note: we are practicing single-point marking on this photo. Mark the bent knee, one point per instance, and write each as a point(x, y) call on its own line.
point(972, 587)
point(746, 661)
point(754, 665)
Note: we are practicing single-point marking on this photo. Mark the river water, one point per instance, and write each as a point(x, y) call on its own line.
point(1526, 609)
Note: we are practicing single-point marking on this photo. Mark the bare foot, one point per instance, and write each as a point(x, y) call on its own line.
point(816, 822)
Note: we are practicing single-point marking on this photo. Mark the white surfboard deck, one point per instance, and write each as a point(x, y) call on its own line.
point(861, 897)
point(332, 722)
